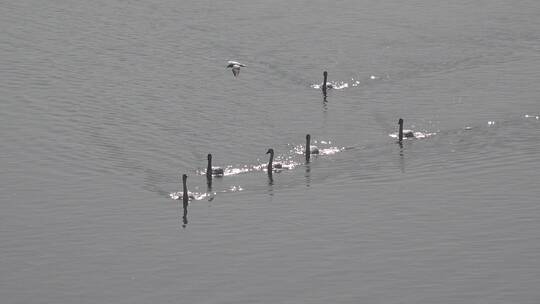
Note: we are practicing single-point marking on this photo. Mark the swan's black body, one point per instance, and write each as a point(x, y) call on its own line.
point(401, 132)
point(271, 164)
point(212, 171)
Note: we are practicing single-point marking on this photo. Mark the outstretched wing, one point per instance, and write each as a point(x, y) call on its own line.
point(232, 63)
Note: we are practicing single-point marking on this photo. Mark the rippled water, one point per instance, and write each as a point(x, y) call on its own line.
point(104, 104)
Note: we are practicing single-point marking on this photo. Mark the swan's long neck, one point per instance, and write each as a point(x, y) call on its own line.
point(308, 148)
point(185, 197)
point(270, 161)
point(209, 167)
point(325, 75)
point(400, 134)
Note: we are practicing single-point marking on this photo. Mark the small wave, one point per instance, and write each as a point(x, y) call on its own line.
point(537, 117)
point(417, 135)
point(193, 196)
point(232, 170)
point(285, 165)
point(331, 150)
point(335, 85)
point(234, 189)
point(324, 147)
point(289, 165)
point(339, 85)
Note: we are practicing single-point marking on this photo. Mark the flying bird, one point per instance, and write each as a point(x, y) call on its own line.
point(235, 66)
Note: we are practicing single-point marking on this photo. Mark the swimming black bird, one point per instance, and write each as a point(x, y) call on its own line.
point(213, 171)
point(271, 164)
point(404, 133)
point(309, 148)
point(185, 195)
point(325, 85)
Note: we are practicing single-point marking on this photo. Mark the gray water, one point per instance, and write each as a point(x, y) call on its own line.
point(104, 104)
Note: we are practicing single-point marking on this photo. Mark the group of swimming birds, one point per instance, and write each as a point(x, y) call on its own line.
point(271, 166)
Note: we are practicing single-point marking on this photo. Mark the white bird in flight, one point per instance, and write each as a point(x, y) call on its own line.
point(235, 66)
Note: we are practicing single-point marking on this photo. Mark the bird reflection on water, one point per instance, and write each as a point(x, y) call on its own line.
point(307, 174)
point(270, 183)
point(184, 219)
point(401, 157)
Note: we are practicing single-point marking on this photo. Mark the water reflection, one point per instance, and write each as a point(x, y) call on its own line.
point(208, 184)
point(401, 157)
point(184, 218)
point(307, 175)
point(270, 177)
point(270, 183)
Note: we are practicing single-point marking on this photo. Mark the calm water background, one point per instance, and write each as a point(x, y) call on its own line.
point(105, 103)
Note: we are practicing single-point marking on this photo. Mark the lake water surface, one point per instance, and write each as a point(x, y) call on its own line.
point(105, 104)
